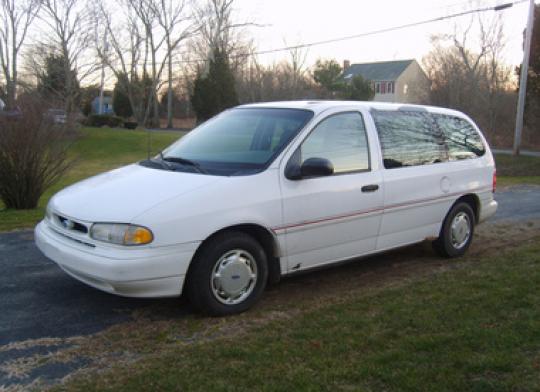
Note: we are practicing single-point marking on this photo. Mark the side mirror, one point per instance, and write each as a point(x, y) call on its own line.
point(312, 167)
point(316, 167)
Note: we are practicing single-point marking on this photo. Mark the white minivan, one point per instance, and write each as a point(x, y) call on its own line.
point(265, 190)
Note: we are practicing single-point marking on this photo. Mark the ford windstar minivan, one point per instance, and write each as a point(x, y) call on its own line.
point(265, 190)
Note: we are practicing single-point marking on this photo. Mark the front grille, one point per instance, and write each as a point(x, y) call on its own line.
point(74, 239)
point(71, 225)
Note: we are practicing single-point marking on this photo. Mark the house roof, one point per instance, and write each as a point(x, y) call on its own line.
point(385, 70)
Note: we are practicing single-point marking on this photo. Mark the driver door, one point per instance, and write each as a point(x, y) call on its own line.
point(337, 216)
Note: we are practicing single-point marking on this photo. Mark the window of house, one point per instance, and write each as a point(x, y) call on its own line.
point(383, 88)
point(390, 87)
point(461, 138)
point(377, 87)
point(408, 139)
point(340, 138)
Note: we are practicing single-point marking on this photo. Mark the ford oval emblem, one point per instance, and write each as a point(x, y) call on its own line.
point(68, 224)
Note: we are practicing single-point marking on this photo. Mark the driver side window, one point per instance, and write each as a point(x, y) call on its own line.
point(340, 138)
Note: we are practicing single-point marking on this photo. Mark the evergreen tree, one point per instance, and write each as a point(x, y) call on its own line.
point(358, 90)
point(122, 106)
point(88, 94)
point(52, 81)
point(141, 93)
point(215, 91)
point(327, 74)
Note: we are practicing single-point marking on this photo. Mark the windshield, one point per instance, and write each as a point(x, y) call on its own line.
point(238, 141)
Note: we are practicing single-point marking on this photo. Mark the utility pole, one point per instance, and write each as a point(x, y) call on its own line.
point(523, 79)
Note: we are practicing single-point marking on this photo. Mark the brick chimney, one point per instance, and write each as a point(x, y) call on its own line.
point(346, 65)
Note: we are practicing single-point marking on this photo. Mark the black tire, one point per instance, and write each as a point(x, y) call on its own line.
point(446, 245)
point(201, 287)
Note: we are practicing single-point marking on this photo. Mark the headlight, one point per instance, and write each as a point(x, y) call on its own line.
point(121, 234)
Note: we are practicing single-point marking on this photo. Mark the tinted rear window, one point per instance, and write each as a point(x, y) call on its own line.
point(462, 139)
point(408, 138)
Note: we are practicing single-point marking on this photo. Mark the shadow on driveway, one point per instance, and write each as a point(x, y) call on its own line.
point(39, 300)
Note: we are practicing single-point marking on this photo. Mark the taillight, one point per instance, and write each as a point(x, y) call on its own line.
point(494, 180)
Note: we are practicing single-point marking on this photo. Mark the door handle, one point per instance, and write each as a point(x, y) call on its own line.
point(370, 188)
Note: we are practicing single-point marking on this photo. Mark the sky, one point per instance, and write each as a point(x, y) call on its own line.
point(293, 22)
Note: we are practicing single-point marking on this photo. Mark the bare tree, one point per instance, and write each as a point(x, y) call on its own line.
point(123, 54)
point(16, 16)
point(279, 81)
point(178, 24)
point(472, 78)
point(216, 27)
point(68, 22)
point(143, 45)
point(146, 13)
point(219, 32)
point(296, 68)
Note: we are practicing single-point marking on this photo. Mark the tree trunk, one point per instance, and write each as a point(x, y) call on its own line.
point(69, 83)
point(12, 84)
point(10, 91)
point(156, 118)
point(155, 102)
point(170, 94)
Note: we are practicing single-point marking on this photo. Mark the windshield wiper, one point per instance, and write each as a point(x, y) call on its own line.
point(183, 161)
point(164, 162)
point(153, 162)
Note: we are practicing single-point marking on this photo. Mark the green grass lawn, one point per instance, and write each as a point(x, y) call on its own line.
point(517, 170)
point(475, 327)
point(98, 150)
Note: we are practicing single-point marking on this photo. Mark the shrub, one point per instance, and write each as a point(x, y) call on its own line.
point(33, 154)
point(130, 124)
point(103, 120)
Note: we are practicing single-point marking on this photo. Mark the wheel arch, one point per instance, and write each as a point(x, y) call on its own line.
point(473, 201)
point(268, 240)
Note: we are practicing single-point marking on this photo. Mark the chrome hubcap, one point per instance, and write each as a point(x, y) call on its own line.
point(234, 277)
point(460, 230)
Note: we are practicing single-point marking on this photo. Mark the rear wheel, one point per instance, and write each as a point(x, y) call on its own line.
point(228, 275)
point(457, 231)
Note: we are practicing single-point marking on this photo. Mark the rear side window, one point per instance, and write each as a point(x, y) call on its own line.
point(462, 139)
point(408, 139)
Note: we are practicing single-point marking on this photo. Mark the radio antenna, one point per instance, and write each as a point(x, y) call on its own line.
point(148, 142)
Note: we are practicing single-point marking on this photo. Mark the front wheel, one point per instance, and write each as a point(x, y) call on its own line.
point(228, 275)
point(457, 231)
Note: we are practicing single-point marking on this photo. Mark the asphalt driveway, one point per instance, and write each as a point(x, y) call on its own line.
point(39, 301)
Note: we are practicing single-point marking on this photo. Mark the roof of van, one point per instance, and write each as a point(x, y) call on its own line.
point(321, 106)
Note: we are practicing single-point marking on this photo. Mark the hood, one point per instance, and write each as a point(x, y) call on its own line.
point(122, 194)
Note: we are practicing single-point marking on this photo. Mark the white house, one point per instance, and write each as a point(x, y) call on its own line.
point(401, 81)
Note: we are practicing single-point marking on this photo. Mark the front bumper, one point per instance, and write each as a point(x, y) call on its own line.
point(131, 272)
